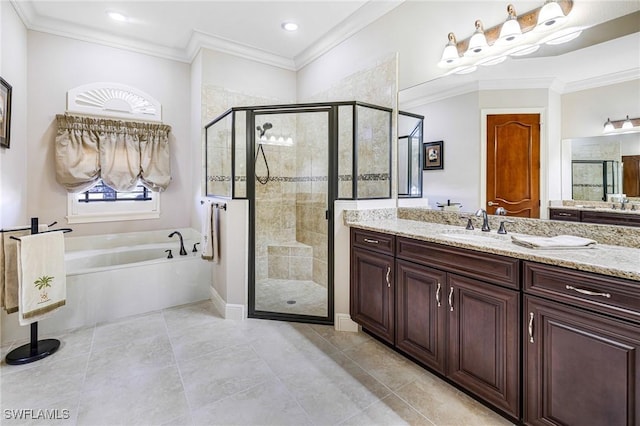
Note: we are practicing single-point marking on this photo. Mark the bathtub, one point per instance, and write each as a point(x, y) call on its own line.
point(115, 276)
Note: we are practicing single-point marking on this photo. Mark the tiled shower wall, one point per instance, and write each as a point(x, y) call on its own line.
point(587, 180)
point(291, 207)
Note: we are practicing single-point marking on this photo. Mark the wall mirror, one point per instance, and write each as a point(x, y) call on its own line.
point(410, 131)
point(601, 168)
point(541, 80)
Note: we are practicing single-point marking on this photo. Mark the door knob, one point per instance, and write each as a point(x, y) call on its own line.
point(493, 203)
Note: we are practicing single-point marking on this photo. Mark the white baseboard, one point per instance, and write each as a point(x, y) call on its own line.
point(227, 310)
point(343, 322)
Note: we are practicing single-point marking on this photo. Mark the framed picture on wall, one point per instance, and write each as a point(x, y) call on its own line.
point(433, 155)
point(5, 113)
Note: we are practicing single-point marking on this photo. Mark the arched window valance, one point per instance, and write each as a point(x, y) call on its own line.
point(118, 152)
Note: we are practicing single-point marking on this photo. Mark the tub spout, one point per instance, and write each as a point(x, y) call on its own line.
point(183, 252)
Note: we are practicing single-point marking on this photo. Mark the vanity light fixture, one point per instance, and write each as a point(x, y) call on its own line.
point(478, 42)
point(627, 125)
point(510, 31)
point(550, 16)
point(519, 35)
point(450, 54)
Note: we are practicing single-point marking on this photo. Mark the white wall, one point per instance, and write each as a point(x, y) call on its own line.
point(585, 112)
point(456, 121)
point(57, 64)
point(13, 161)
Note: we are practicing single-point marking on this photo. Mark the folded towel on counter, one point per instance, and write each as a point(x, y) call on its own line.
point(9, 266)
point(41, 275)
point(559, 242)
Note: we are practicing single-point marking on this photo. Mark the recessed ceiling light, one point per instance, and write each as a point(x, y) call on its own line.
point(117, 16)
point(289, 26)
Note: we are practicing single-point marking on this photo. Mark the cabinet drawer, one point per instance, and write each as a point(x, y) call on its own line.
point(563, 214)
point(484, 266)
point(610, 295)
point(382, 243)
point(627, 219)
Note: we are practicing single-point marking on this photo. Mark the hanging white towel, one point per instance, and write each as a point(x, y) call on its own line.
point(210, 230)
point(9, 266)
point(207, 218)
point(215, 232)
point(41, 275)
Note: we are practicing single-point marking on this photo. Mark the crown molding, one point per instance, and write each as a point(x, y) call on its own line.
point(424, 94)
point(602, 80)
point(362, 17)
point(200, 40)
point(52, 26)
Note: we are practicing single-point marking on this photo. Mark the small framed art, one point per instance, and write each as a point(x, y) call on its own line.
point(433, 155)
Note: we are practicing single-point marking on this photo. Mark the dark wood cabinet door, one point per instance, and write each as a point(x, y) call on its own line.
point(421, 313)
point(372, 289)
point(484, 341)
point(580, 368)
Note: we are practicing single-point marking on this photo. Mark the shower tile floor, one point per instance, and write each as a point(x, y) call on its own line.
point(188, 366)
point(273, 295)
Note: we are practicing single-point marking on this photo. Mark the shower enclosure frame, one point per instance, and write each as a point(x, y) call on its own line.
point(332, 109)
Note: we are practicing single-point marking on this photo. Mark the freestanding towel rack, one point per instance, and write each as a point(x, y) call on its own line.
point(35, 349)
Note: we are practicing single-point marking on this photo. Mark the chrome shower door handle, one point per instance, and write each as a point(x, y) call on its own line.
point(438, 294)
point(531, 315)
point(387, 277)
point(451, 299)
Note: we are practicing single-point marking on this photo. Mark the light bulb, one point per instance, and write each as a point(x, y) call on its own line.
point(510, 30)
point(478, 42)
point(627, 124)
point(550, 16)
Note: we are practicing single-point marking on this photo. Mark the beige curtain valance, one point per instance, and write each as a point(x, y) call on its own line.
point(118, 152)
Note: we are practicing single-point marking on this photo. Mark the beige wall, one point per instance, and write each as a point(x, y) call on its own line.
point(13, 161)
point(57, 64)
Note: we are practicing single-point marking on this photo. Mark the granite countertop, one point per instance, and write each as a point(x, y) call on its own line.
point(616, 261)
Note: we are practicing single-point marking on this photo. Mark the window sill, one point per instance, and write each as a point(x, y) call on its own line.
point(111, 217)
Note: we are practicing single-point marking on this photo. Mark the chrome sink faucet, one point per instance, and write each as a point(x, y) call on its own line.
point(183, 252)
point(485, 219)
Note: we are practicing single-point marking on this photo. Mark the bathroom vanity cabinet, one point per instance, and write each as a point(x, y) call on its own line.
point(372, 283)
point(431, 309)
point(544, 344)
point(595, 216)
point(581, 348)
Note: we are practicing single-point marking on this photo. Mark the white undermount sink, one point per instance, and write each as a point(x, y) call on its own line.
point(473, 236)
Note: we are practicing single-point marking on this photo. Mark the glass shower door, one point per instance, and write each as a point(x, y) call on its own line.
point(291, 228)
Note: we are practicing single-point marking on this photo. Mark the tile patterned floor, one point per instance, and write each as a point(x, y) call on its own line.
point(187, 366)
point(310, 298)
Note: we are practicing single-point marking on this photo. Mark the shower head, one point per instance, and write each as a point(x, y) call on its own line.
point(264, 128)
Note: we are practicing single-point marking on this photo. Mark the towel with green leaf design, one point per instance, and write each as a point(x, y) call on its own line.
point(41, 275)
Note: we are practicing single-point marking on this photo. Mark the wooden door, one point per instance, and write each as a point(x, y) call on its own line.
point(513, 164)
point(372, 291)
point(421, 313)
point(580, 369)
point(631, 175)
point(484, 344)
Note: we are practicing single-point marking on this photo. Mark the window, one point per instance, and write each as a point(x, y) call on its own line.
point(103, 204)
